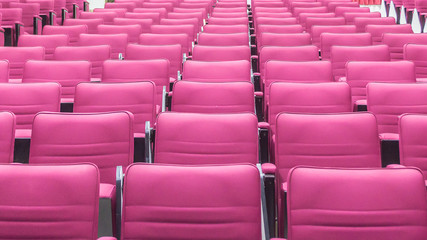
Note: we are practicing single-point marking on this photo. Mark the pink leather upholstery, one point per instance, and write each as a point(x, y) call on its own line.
point(129, 6)
point(188, 29)
point(333, 5)
point(49, 201)
point(396, 41)
point(216, 207)
point(268, 9)
point(161, 11)
point(145, 24)
point(315, 21)
point(4, 71)
point(155, 71)
point(303, 16)
point(226, 28)
point(390, 100)
point(228, 21)
point(25, 100)
point(132, 31)
point(49, 42)
point(213, 53)
point(119, 11)
point(136, 97)
point(268, 4)
point(298, 10)
point(29, 11)
point(284, 40)
point(92, 24)
point(362, 22)
point(7, 136)
point(273, 14)
point(154, 16)
point(350, 16)
point(18, 56)
point(72, 137)
point(421, 6)
point(94, 54)
point(327, 40)
point(194, 9)
point(67, 73)
point(411, 143)
point(166, 39)
point(304, 4)
point(275, 21)
point(389, 203)
point(217, 15)
point(184, 15)
point(172, 53)
point(360, 73)
point(377, 31)
point(316, 31)
point(339, 11)
point(217, 39)
point(299, 53)
point(186, 21)
point(107, 17)
point(117, 42)
point(167, 5)
point(10, 16)
point(222, 71)
point(208, 97)
point(417, 54)
point(340, 55)
point(262, 28)
point(73, 32)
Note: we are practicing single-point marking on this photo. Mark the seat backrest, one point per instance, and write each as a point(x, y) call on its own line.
point(241, 28)
point(298, 10)
point(67, 73)
point(185, 21)
point(304, 4)
point(49, 42)
point(333, 5)
point(208, 97)
point(411, 143)
point(185, 15)
point(327, 40)
point(172, 53)
point(213, 53)
point(206, 201)
point(154, 70)
point(317, 30)
point(396, 41)
point(228, 15)
point(315, 21)
point(340, 55)
point(119, 11)
point(71, 137)
point(29, 10)
point(7, 136)
point(377, 31)
point(188, 29)
point(211, 144)
point(154, 16)
point(354, 194)
point(145, 24)
point(167, 5)
point(166, 39)
point(220, 71)
point(417, 54)
point(350, 16)
point(362, 22)
point(10, 15)
point(117, 42)
point(276, 21)
point(390, 100)
point(263, 28)
point(228, 21)
point(161, 11)
point(38, 193)
point(92, 24)
point(333, 97)
point(326, 140)
point(421, 6)
point(193, 8)
point(268, 9)
point(129, 6)
point(18, 56)
point(107, 17)
point(339, 11)
point(73, 32)
point(139, 98)
point(4, 71)
point(132, 31)
point(94, 54)
point(284, 39)
point(217, 39)
point(26, 100)
point(360, 73)
point(273, 14)
point(303, 16)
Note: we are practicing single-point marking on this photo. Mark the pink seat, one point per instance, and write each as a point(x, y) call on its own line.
point(396, 42)
point(136, 97)
point(298, 10)
point(30, 15)
point(186, 15)
point(117, 42)
point(92, 24)
point(8, 122)
point(228, 21)
point(303, 16)
point(229, 15)
point(314, 21)
point(96, 55)
point(213, 97)
point(119, 11)
point(340, 55)
point(132, 31)
point(71, 137)
point(67, 73)
point(276, 21)
point(350, 16)
point(187, 29)
point(242, 28)
point(186, 21)
point(362, 22)
point(107, 17)
point(155, 71)
point(11, 18)
point(257, 10)
point(17, 58)
point(239, 204)
point(377, 31)
point(231, 4)
point(39, 208)
point(327, 40)
point(317, 30)
point(411, 144)
point(295, 4)
point(154, 16)
point(167, 5)
point(354, 194)
point(390, 100)
point(26, 100)
point(283, 40)
point(171, 53)
point(167, 39)
point(4, 71)
point(129, 6)
point(145, 24)
point(49, 42)
point(273, 14)
point(217, 39)
point(192, 8)
point(268, 4)
point(333, 5)
point(359, 74)
point(213, 53)
point(73, 32)
point(417, 54)
point(339, 11)
point(161, 11)
point(266, 28)
point(222, 71)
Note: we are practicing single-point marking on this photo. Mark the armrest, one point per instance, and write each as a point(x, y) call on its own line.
point(268, 168)
point(1, 30)
point(75, 10)
point(259, 94)
point(52, 17)
point(18, 26)
point(37, 25)
point(284, 187)
point(342, 79)
point(148, 131)
point(85, 6)
point(119, 191)
point(389, 137)
point(257, 74)
point(361, 105)
point(263, 125)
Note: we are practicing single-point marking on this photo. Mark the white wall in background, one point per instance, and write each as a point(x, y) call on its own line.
point(96, 4)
